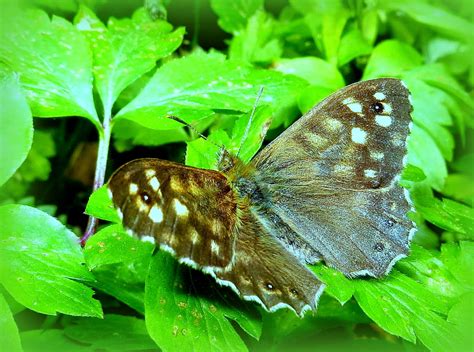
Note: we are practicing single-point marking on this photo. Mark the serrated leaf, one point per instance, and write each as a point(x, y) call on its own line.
point(233, 15)
point(125, 49)
point(10, 336)
point(195, 86)
point(181, 311)
point(113, 245)
point(41, 263)
point(53, 61)
point(113, 333)
point(16, 134)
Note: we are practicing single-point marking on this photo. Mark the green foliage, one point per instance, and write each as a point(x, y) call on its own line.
point(16, 139)
point(41, 263)
point(126, 77)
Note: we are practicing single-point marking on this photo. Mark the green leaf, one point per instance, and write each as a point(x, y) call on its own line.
point(314, 70)
point(433, 117)
point(390, 59)
point(54, 339)
point(412, 301)
point(125, 49)
point(118, 281)
point(233, 15)
point(100, 206)
point(448, 215)
point(246, 146)
point(120, 264)
point(41, 263)
point(413, 174)
point(423, 152)
point(311, 96)
point(128, 134)
point(338, 286)
point(256, 43)
point(460, 187)
point(203, 154)
point(459, 259)
point(195, 86)
point(113, 245)
point(462, 314)
point(16, 134)
point(434, 17)
point(324, 78)
point(180, 310)
point(10, 336)
point(353, 45)
point(53, 61)
point(113, 333)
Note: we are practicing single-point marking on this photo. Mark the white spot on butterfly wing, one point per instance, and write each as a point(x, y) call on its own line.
point(133, 188)
point(370, 173)
point(355, 107)
point(376, 155)
point(154, 183)
point(383, 120)
point(156, 214)
point(150, 173)
point(387, 108)
point(189, 262)
point(215, 247)
point(180, 208)
point(358, 135)
point(379, 96)
point(195, 237)
point(150, 239)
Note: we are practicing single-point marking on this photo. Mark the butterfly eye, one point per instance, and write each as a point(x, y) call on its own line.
point(145, 197)
point(377, 107)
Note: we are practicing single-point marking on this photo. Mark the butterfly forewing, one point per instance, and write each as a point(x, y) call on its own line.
point(332, 178)
point(187, 211)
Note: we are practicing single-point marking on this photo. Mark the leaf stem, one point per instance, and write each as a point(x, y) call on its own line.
point(99, 177)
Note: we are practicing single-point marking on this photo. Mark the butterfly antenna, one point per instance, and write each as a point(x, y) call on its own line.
point(249, 123)
point(191, 127)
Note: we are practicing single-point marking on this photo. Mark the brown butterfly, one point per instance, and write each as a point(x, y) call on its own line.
point(325, 189)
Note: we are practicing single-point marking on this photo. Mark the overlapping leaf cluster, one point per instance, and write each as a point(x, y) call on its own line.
point(125, 77)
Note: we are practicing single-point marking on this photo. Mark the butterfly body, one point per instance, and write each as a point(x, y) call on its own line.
point(326, 189)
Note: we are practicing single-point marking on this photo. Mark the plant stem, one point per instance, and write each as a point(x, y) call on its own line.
point(99, 177)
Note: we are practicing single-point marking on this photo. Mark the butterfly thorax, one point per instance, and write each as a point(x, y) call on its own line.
point(240, 176)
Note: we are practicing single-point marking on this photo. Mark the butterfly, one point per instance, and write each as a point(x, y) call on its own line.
point(326, 189)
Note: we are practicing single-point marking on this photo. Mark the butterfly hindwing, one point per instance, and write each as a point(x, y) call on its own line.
point(332, 177)
point(187, 211)
point(265, 272)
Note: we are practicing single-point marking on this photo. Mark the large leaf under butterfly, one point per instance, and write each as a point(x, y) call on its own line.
point(325, 189)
